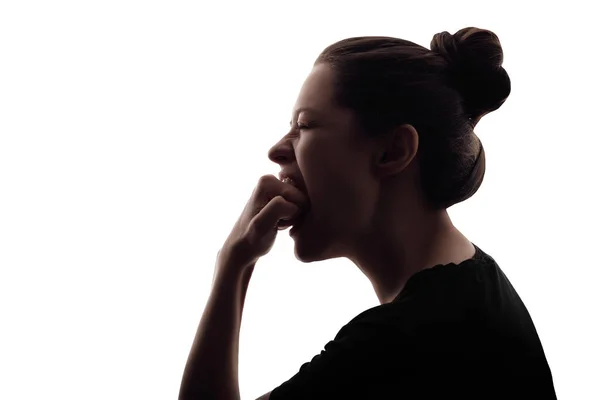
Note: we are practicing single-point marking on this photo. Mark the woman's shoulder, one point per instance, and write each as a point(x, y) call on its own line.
point(471, 295)
point(450, 294)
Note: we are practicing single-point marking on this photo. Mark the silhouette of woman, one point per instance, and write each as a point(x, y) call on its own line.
point(380, 144)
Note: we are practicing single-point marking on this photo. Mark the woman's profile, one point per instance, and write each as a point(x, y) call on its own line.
point(381, 143)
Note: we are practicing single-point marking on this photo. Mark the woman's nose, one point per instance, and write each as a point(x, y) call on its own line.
point(281, 153)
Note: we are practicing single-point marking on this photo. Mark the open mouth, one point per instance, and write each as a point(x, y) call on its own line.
point(295, 222)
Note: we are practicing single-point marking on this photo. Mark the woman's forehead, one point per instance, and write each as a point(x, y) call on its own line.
point(317, 90)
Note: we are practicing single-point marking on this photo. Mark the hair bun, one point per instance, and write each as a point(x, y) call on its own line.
point(474, 58)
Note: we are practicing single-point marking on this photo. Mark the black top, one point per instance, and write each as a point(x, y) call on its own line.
point(456, 331)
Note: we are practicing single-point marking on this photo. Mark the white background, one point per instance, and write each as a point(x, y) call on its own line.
point(133, 132)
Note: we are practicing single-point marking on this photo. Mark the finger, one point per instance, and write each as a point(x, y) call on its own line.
point(283, 224)
point(278, 208)
point(269, 187)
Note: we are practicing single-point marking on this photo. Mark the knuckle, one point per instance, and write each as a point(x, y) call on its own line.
point(253, 232)
point(265, 180)
point(243, 244)
point(281, 203)
point(265, 183)
point(278, 200)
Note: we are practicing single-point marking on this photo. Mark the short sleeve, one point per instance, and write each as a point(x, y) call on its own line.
point(377, 361)
point(356, 365)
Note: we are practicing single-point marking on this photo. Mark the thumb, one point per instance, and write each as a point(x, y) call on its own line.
point(278, 208)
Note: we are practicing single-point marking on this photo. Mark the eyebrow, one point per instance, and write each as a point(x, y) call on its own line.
point(299, 110)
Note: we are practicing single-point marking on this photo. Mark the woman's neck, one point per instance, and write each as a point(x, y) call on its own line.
point(392, 253)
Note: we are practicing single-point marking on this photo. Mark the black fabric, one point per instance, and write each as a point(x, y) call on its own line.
point(456, 331)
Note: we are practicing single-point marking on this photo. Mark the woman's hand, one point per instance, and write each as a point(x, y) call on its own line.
point(254, 233)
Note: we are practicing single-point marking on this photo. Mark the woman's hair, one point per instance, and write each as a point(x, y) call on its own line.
point(442, 92)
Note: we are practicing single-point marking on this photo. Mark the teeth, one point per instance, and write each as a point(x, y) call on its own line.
point(290, 181)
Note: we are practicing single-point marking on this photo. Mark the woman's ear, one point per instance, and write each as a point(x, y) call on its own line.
point(397, 150)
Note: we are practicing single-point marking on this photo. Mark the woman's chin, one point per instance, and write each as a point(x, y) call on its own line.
point(308, 247)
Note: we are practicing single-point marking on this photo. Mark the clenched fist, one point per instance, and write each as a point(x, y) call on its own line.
point(273, 205)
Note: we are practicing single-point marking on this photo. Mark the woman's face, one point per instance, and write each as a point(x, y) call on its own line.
point(332, 160)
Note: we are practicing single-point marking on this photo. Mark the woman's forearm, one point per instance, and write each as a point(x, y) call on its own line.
point(211, 371)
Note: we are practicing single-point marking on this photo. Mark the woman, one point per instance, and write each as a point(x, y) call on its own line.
point(381, 144)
